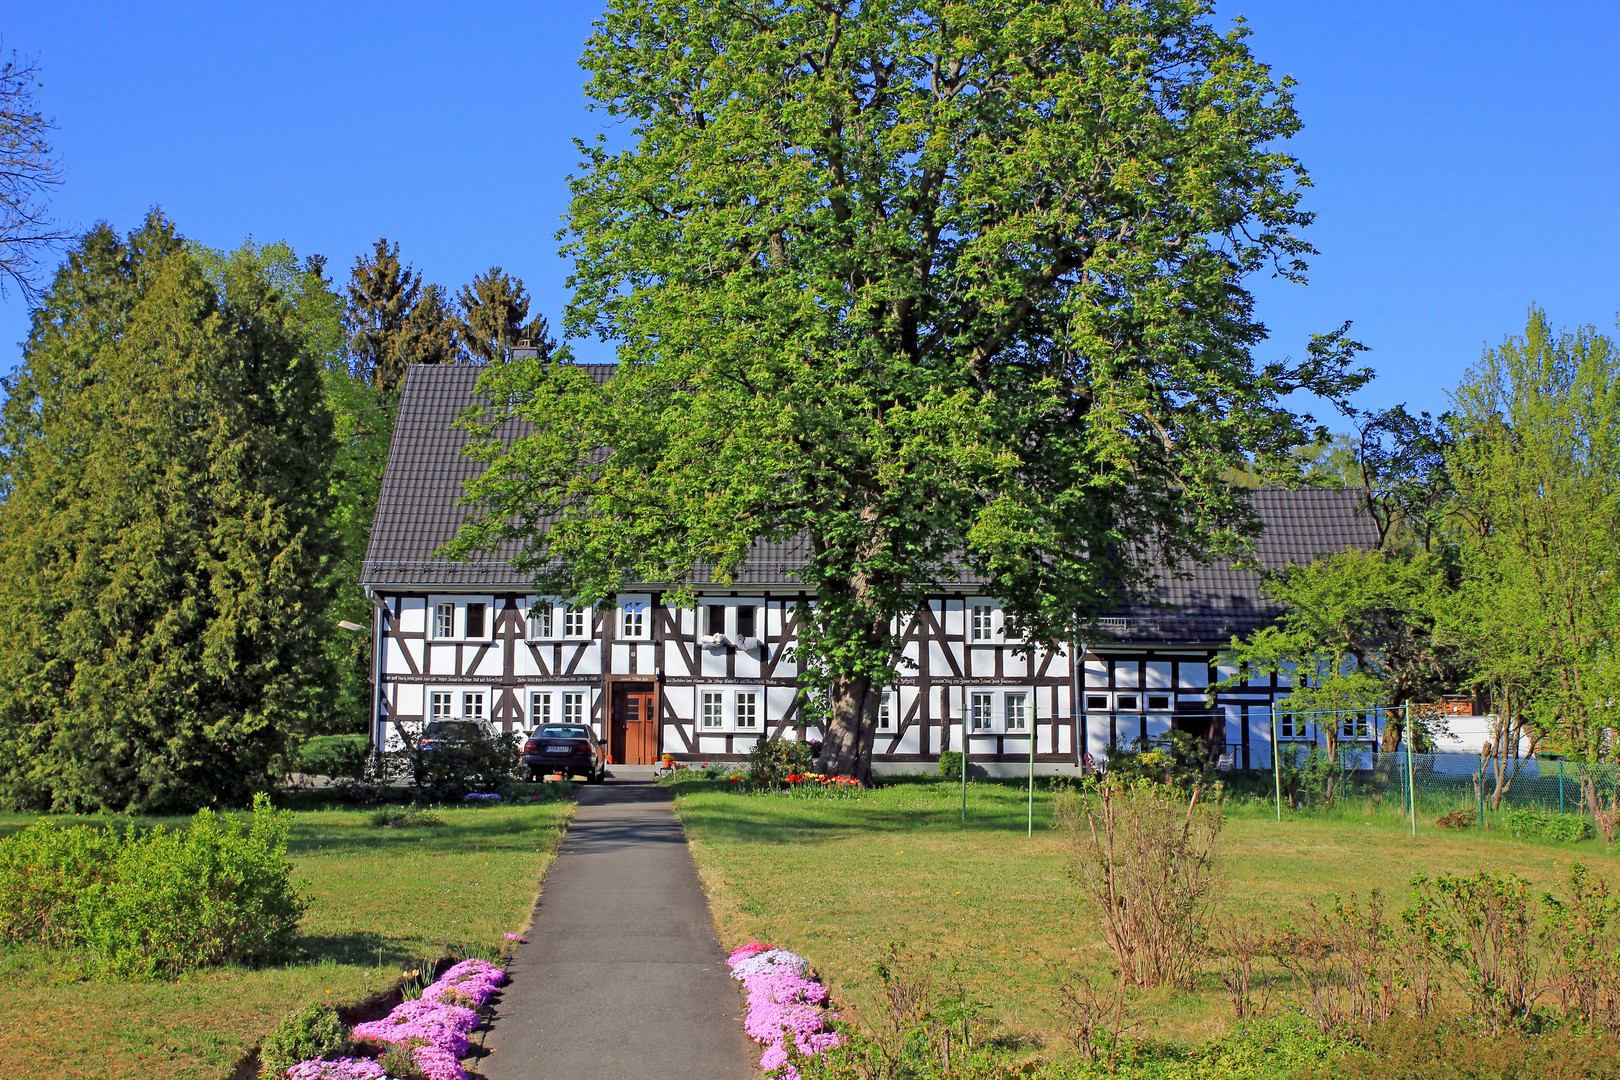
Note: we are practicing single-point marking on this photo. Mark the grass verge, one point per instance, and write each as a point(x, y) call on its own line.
point(382, 900)
point(838, 879)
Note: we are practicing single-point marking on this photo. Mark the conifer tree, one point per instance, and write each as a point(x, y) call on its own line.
point(395, 319)
point(493, 313)
point(165, 541)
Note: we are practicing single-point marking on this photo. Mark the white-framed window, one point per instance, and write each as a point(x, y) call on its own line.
point(477, 619)
point(981, 712)
point(444, 620)
point(747, 710)
point(573, 708)
point(1158, 702)
point(714, 620)
point(714, 710)
point(634, 621)
point(747, 622)
point(1126, 702)
point(440, 705)
point(1354, 726)
point(539, 709)
point(1096, 703)
point(1288, 726)
point(885, 719)
point(981, 622)
point(472, 705)
point(574, 622)
point(540, 613)
point(1017, 713)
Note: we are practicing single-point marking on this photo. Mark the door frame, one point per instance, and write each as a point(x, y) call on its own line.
point(632, 684)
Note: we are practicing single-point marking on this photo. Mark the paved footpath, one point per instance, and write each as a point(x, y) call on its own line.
point(623, 977)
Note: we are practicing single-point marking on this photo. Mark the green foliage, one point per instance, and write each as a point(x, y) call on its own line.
point(1535, 464)
point(1532, 821)
point(950, 765)
point(44, 871)
point(165, 540)
point(1179, 758)
point(1452, 1048)
point(988, 310)
point(306, 1034)
point(156, 901)
point(337, 756)
point(394, 319)
point(454, 768)
point(1357, 632)
point(495, 314)
point(774, 758)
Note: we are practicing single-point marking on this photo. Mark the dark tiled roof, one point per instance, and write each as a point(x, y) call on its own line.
point(418, 510)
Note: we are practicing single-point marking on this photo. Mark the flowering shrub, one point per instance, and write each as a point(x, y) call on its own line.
point(784, 1001)
point(430, 1031)
point(821, 779)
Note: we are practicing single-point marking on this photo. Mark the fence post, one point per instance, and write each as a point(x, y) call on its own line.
point(1276, 765)
point(1411, 774)
point(1479, 793)
point(1560, 785)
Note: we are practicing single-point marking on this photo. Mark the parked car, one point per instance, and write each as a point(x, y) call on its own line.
point(439, 733)
point(568, 749)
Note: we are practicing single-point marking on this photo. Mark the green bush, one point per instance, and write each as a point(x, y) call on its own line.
point(950, 765)
point(156, 901)
point(450, 771)
point(337, 756)
point(774, 758)
point(45, 871)
point(304, 1035)
point(1528, 821)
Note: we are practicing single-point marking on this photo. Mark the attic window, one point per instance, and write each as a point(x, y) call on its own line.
point(745, 621)
point(475, 620)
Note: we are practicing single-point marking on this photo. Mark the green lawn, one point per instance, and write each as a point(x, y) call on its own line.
point(413, 894)
point(837, 880)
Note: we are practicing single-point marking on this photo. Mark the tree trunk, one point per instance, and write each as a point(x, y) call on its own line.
point(846, 747)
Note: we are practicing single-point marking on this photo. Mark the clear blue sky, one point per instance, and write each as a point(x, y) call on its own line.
point(1466, 156)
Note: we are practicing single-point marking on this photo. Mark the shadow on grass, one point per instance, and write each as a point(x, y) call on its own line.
point(489, 829)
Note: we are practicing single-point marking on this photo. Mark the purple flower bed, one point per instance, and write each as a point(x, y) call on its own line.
point(434, 1028)
point(784, 1001)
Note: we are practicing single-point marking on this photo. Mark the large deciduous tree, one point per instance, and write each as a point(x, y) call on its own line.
point(937, 286)
point(29, 169)
point(1536, 465)
point(165, 538)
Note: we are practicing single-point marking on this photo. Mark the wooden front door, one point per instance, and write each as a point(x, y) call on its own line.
point(635, 726)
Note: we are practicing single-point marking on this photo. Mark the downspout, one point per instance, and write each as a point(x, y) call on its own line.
point(1077, 650)
point(378, 737)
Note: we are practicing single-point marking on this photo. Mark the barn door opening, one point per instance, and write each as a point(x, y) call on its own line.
point(634, 739)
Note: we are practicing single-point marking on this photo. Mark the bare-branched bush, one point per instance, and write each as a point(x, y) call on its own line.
point(1145, 855)
point(1483, 928)
point(1241, 945)
point(1583, 933)
point(1096, 1016)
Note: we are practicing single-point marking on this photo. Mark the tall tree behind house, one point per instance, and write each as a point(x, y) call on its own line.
point(494, 310)
point(395, 319)
point(165, 552)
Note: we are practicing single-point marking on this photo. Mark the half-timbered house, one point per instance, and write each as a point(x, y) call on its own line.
point(472, 640)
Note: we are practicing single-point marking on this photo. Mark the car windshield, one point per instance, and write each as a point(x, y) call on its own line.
point(451, 729)
point(557, 731)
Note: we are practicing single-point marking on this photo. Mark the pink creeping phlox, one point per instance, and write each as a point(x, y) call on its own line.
point(783, 1001)
point(434, 1027)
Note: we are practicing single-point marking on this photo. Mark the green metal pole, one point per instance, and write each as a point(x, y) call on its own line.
point(1411, 772)
point(1034, 719)
point(964, 755)
point(1276, 763)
